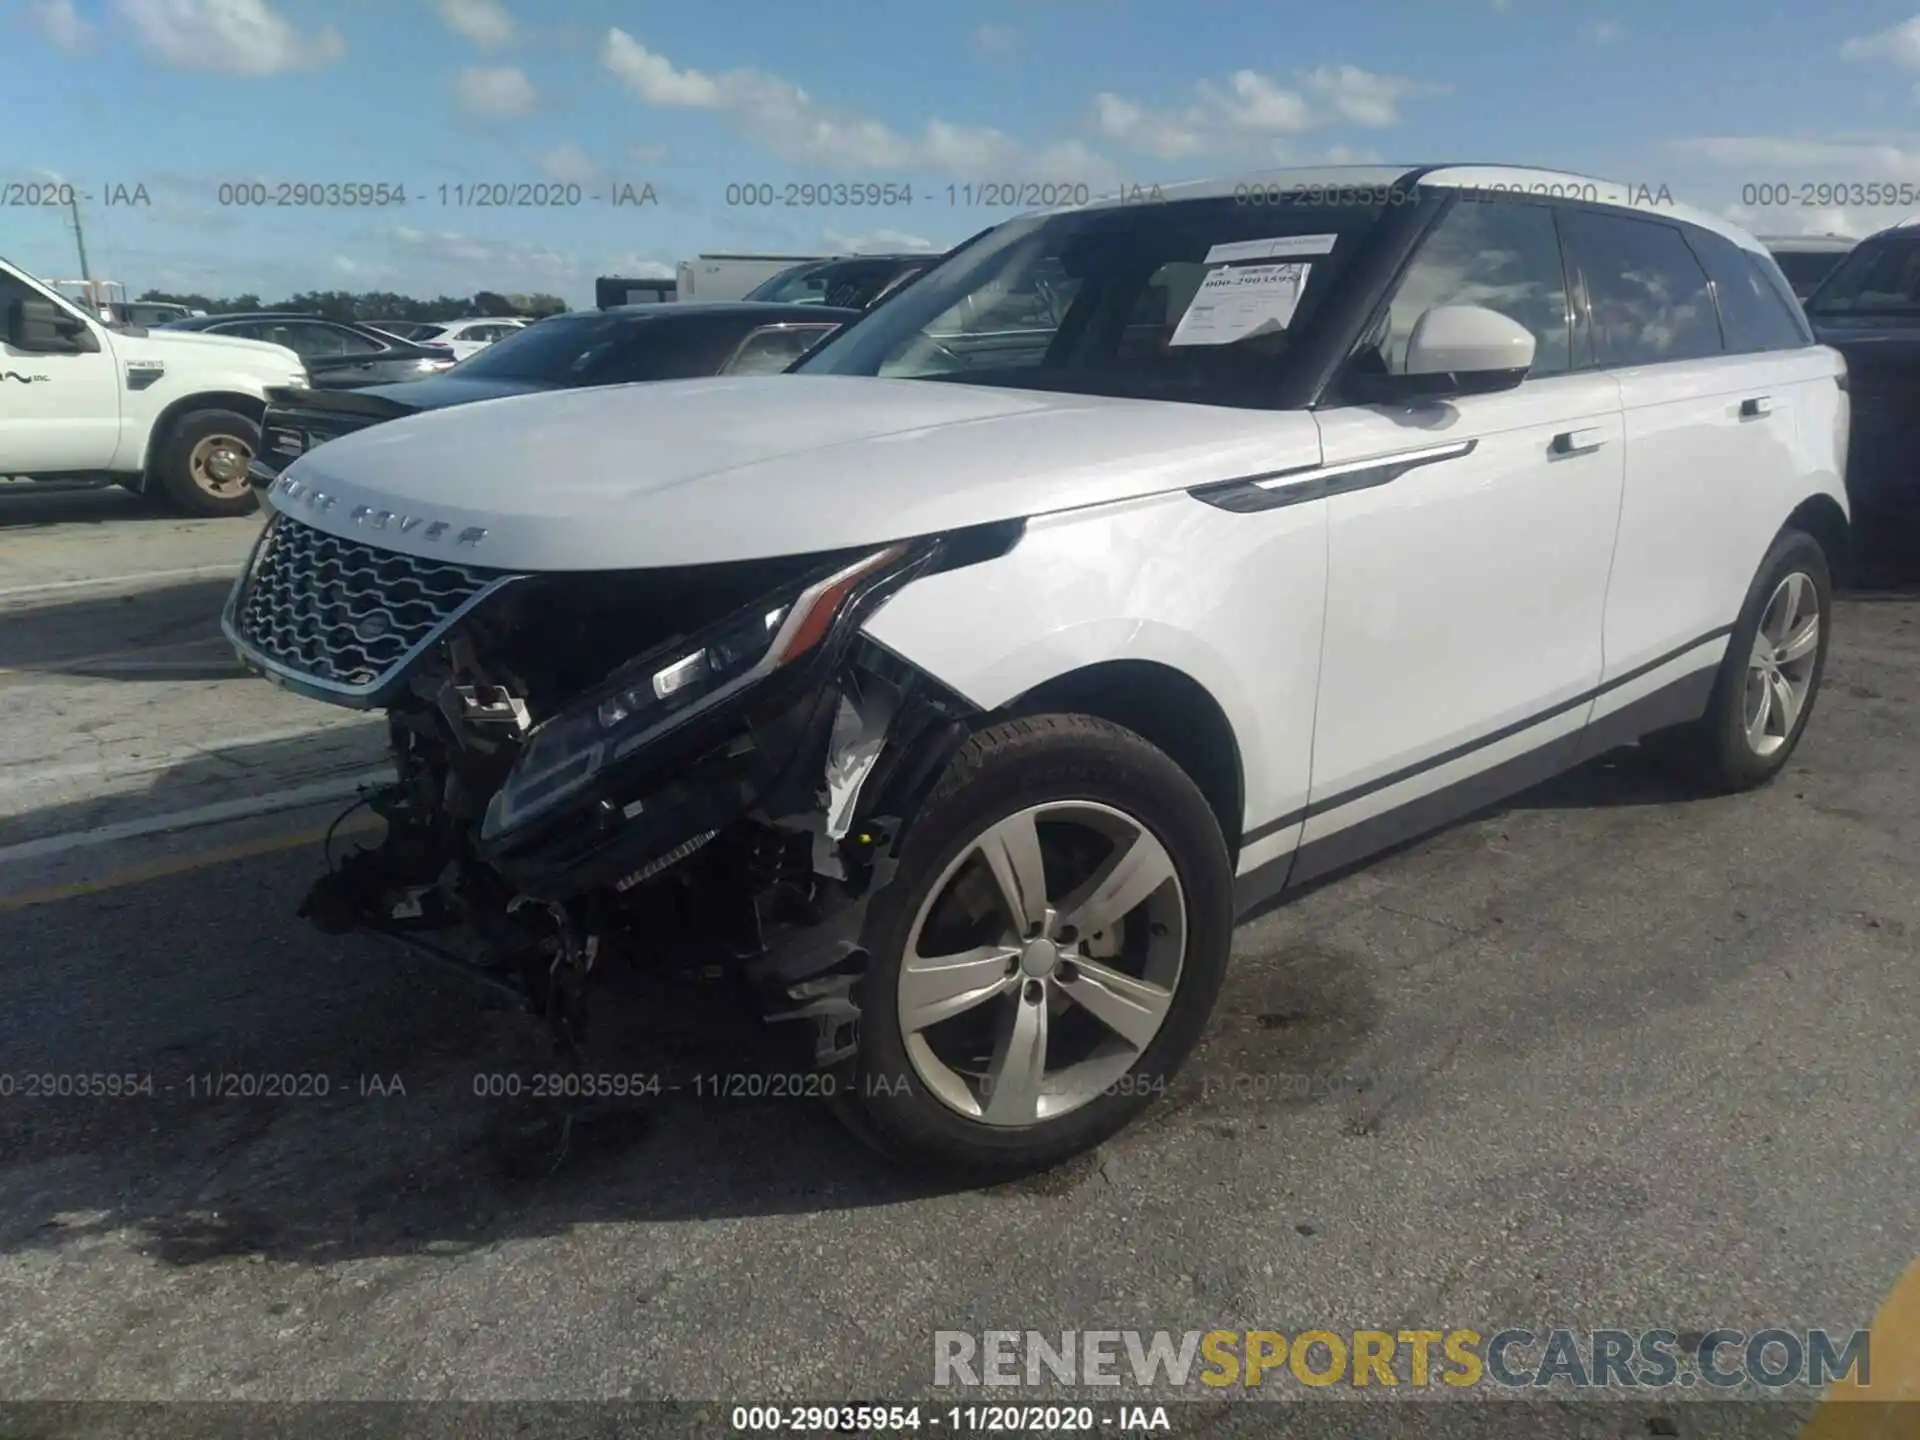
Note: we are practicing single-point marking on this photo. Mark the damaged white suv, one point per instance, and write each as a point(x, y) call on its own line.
point(956, 693)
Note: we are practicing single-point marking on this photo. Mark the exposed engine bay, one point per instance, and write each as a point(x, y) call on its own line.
point(701, 771)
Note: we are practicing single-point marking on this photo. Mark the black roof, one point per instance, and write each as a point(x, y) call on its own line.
point(767, 312)
point(201, 322)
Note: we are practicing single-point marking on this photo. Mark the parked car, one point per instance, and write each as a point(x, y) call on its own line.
point(465, 338)
point(174, 415)
point(1869, 310)
point(148, 313)
point(856, 283)
point(563, 352)
point(1806, 260)
point(954, 699)
point(400, 329)
point(339, 355)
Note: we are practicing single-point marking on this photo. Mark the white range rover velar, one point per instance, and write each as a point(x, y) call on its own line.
point(954, 694)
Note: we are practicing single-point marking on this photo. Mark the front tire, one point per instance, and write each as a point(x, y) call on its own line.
point(1046, 955)
point(1764, 693)
point(202, 463)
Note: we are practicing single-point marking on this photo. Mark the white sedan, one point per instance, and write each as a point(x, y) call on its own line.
point(465, 337)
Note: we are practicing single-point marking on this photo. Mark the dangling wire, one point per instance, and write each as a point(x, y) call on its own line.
point(326, 845)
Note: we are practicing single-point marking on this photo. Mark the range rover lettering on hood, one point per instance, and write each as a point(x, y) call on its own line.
point(297, 493)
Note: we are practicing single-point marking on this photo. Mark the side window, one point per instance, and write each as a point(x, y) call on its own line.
point(1502, 255)
point(1649, 295)
point(12, 290)
point(1752, 313)
point(348, 342)
point(771, 349)
point(247, 331)
point(999, 326)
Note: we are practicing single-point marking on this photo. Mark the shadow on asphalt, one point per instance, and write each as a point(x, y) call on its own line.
point(25, 504)
point(272, 1092)
point(106, 636)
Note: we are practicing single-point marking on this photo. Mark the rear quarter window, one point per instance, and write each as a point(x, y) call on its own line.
point(1756, 311)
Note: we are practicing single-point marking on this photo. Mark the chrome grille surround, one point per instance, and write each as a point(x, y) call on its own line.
point(339, 619)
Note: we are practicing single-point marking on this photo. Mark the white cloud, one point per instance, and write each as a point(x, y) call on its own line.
point(1161, 133)
point(1251, 113)
point(568, 164)
point(1899, 44)
point(995, 40)
point(499, 93)
point(1826, 157)
point(1604, 32)
point(647, 154)
point(788, 121)
point(63, 25)
point(487, 23)
point(1253, 102)
point(881, 242)
point(234, 37)
point(1364, 97)
point(653, 78)
point(1796, 221)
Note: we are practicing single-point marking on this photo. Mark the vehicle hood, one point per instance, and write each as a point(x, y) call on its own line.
point(430, 392)
point(1870, 338)
point(261, 356)
point(682, 472)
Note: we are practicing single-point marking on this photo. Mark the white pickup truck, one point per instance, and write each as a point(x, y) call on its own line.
point(168, 413)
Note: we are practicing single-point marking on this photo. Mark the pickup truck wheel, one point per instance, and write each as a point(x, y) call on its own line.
point(1046, 955)
point(202, 464)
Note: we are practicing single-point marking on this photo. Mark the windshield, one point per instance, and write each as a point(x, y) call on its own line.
point(854, 284)
point(559, 351)
point(1805, 269)
point(1882, 277)
point(1195, 300)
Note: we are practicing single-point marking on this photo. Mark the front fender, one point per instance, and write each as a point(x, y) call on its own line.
point(1235, 602)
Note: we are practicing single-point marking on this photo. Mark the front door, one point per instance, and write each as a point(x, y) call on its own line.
point(1468, 560)
point(59, 413)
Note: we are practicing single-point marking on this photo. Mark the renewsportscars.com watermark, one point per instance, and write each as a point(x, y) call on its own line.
point(1510, 1359)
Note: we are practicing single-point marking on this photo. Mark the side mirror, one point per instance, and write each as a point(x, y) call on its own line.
point(1470, 341)
point(1456, 350)
point(42, 327)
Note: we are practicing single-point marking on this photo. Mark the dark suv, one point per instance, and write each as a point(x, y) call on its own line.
point(1869, 310)
point(857, 282)
point(563, 352)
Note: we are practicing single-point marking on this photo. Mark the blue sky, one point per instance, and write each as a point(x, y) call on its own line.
point(1706, 97)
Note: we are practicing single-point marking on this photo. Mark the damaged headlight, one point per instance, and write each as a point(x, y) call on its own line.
point(647, 697)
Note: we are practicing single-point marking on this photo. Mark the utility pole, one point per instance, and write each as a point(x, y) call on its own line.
point(80, 239)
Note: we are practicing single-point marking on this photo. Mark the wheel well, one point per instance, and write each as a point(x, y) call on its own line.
point(1821, 517)
point(1171, 711)
point(237, 401)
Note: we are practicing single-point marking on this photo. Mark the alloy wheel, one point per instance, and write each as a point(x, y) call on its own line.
point(1042, 963)
point(1786, 648)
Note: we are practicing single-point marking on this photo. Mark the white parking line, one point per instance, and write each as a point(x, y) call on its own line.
point(199, 815)
point(141, 577)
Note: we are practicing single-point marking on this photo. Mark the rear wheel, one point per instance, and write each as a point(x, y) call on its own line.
point(1047, 954)
point(202, 463)
point(1769, 680)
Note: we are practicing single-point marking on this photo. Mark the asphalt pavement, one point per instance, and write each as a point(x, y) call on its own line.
point(1613, 1055)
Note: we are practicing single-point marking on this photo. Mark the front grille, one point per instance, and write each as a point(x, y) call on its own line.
point(342, 612)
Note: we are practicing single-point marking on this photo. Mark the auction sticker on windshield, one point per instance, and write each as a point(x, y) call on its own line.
point(1241, 301)
point(1279, 247)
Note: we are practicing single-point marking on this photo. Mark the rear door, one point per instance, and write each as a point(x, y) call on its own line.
point(1711, 456)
